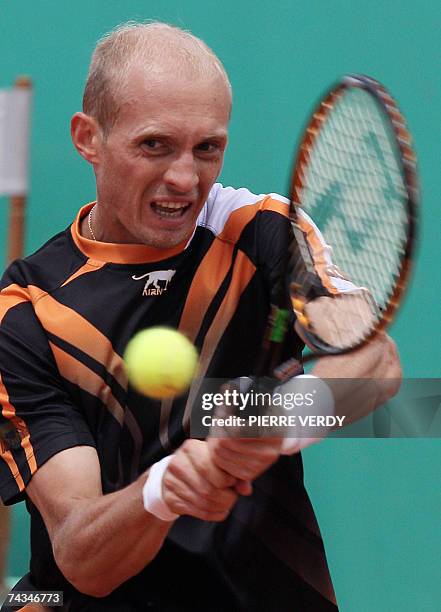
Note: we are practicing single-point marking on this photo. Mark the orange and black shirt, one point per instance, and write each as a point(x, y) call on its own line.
point(67, 313)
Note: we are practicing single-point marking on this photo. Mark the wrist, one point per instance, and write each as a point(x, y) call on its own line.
point(321, 405)
point(152, 492)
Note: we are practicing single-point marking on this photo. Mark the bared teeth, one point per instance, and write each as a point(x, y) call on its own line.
point(170, 209)
point(171, 205)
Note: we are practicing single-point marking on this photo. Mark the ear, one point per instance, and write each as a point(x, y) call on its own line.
point(86, 136)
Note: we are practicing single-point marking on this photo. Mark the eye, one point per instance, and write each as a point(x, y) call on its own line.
point(151, 143)
point(155, 146)
point(208, 147)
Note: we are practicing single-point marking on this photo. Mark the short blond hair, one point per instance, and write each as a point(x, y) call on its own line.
point(153, 43)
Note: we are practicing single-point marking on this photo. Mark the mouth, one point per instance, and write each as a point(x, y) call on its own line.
point(170, 209)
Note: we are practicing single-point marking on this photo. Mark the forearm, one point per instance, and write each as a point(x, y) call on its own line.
point(100, 541)
point(356, 398)
point(363, 379)
point(104, 541)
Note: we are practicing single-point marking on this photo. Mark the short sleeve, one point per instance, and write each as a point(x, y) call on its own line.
point(38, 418)
point(274, 235)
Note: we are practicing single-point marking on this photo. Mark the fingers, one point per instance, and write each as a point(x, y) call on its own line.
point(245, 458)
point(243, 487)
point(193, 485)
point(204, 479)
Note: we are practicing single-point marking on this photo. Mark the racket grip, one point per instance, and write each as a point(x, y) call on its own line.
point(288, 369)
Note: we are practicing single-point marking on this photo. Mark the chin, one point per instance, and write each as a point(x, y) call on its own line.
point(164, 240)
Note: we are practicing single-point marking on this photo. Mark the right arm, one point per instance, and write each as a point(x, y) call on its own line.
point(99, 541)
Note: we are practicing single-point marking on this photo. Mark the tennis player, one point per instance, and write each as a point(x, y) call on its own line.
point(127, 512)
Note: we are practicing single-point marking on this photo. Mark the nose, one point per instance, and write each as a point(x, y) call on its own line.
point(181, 175)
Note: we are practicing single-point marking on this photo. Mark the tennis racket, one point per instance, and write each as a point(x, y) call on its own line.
point(355, 177)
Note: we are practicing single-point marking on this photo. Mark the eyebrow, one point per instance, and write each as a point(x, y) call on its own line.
point(166, 135)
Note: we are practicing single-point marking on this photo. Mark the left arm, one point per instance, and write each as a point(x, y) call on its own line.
point(372, 375)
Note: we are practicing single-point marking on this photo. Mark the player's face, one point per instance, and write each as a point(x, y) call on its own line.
point(160, 159)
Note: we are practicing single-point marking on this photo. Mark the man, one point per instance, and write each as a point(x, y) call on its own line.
point(127, 512)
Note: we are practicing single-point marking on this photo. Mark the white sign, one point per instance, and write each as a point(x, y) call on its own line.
point(15, 105)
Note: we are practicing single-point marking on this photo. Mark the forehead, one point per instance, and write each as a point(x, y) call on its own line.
point(166, 99)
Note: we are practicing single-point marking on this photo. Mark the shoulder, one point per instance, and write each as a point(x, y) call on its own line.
point(228, 210)
point(47, 268)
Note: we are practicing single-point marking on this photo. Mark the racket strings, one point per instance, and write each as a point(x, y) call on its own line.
point(354, 190)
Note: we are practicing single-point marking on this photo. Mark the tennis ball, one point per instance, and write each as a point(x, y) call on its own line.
point(161, 362)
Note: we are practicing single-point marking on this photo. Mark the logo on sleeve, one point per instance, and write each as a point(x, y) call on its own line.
point(156, 283)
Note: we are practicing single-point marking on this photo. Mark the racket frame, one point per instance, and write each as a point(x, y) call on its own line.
point(407, 160)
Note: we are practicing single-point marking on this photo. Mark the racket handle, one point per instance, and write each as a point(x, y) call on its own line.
point(273, 340)
point(288, 369)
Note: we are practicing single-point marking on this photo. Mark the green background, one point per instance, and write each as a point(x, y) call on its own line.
point(378, 501)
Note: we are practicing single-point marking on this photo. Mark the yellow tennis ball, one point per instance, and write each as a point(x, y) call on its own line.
point(161, 362)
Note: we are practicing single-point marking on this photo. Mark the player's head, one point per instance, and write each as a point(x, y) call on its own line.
point(154, 125)
point(156, 46)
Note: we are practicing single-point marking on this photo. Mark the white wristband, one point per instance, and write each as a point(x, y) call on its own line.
point(323, 405)
point(152, 492)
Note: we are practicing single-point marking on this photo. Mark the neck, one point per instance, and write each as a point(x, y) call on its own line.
point(84, 228)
